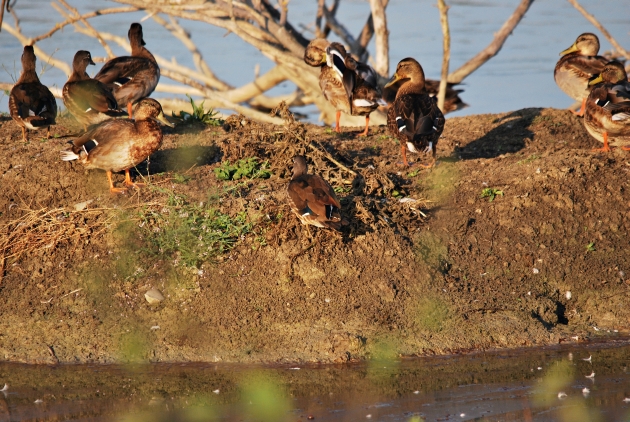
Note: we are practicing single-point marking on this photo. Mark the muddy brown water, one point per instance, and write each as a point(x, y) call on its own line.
point(524, 384)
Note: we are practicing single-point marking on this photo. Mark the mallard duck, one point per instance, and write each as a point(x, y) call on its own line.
point(312, 199)
point(452, 102)
point(414, 117)
point(579, 64)
point(88, 100)
point(119, 144)
point(608, 107)
point(134, 77)
point(350, 86)
point(31, 104)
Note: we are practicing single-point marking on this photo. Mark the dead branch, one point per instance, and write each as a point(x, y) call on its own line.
point(366, 35)
point(93, 32)
point(601, 29)
point(341, 31)
point(493, 48)
point(4, 2)
point(382, 37)
point(38, 51)
point(443, 8)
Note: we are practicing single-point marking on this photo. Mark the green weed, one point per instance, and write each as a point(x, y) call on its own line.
point(590, 247)
point(528, 159)
point(191, 233)
point(491, 193)
point(198, 115)
point(247, 168)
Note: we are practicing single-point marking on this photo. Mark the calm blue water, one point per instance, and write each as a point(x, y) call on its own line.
point(519, 76)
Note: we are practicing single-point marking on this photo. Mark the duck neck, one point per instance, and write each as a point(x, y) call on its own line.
point(28, 75)
point(138, 50)
point(79, 74)
point(411, 87)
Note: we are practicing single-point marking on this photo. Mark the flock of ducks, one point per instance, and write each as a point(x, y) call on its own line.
point(350, 86)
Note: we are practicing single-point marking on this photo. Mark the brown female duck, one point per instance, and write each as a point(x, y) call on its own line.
point(350, 86)
point(134, 77)
point(579, 64)
point(607, 116)
point(452, 101)
point(87, 99)
point(312, 199)
point(414, 117)
point(120, 144)
point(31, 104)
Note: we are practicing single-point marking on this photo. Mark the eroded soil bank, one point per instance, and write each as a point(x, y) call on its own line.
point(446, 270)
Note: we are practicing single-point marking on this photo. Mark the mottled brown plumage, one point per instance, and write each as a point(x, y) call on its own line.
point(120, 144)
point(577, 66)
point(312, 199)
point(452, 101)
point(414, 117)
point(31, 104)
point(350, 86)
point(88, 100)
point(134, 77)
point(607, 116)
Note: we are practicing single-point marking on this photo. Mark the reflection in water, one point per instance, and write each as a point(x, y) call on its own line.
point(528, 384)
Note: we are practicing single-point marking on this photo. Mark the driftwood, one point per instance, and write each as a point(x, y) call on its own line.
point(446, 56)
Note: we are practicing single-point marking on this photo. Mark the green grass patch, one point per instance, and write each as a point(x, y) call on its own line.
point(198, 115)
point(490, 193)
point(249, 168)
point(190, 233)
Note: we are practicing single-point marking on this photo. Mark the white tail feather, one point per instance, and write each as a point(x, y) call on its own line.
point(620, 116)
point(68, 156)
point(360, 102)
point(382, 102)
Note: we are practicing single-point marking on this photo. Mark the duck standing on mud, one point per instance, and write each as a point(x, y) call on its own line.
point(119, 144)
point(31, 104)
point(312, 199)
point(134, 77)
point(577, 66)
point(350, 86)
point(608, 107)
point(414, 117)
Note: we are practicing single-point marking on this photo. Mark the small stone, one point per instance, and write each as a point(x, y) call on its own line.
point(82, 205)
point(568, 295)
point(153, 296)
point(535, 270)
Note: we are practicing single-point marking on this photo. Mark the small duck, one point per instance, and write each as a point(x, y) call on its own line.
point(119, 144)
point(134, 77)
point(577, 66)
point(88, 100)
point(414, 117)
point(31, 104)
point(312, 199)
point(452, 101)
point(608, 107)
point(350, 86)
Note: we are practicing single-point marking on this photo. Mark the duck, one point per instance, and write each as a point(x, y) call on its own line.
point(452, 100)
point(88, 100)
point(577, 66)
point(119, 144)
point(312, 199)
point(31, 104)
point(134, 77)
point(607, 116)
point(349, 85)
point(414, 117)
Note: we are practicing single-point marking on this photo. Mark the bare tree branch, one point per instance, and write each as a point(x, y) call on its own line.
point(601, 29)
point(382, 37)
point(38, 51)
point(443, 8)
point(493, 48)
point(366, 35)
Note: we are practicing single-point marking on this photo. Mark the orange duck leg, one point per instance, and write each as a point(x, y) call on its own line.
point(606, 147)
point(112, 189)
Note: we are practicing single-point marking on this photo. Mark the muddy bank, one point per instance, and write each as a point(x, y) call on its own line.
point(542, 262)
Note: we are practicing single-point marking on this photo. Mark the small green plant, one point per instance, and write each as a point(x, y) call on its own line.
point(180, 178)
point(491, 193)
point(528, 159)
point(199, 115)
point(413, 173)
point(247, 168)
point(590, 247)
point(342, 189)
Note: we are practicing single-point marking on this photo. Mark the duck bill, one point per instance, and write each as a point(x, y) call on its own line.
point(596, 80)
point(160, 118)
point(571, 49)
point(392, 81)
